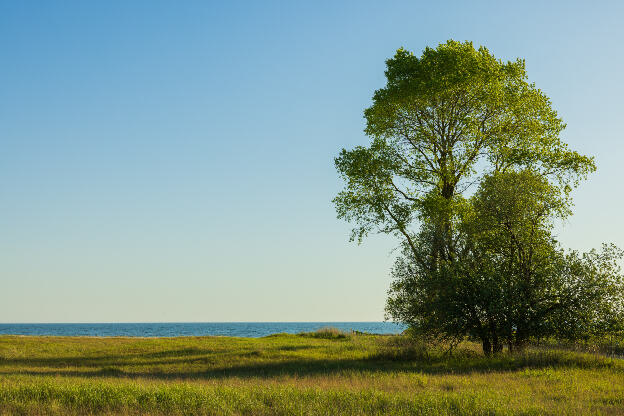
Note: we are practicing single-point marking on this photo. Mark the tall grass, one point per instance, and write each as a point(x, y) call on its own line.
point(327, 332)
point(311, 374)
point(105, 397)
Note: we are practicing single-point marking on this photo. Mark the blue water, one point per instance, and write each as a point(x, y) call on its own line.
point(180, 329)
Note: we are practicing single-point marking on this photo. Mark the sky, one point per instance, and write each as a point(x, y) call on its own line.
point(170, 161)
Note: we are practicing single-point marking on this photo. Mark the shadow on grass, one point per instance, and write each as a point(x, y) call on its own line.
point(112, 367)
point(178, 356)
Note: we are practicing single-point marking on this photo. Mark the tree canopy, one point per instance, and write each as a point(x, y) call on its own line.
point(441, 121)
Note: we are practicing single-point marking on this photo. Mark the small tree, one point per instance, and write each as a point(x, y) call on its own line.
point(511, 281)
point(511, 247)
point(593, 295)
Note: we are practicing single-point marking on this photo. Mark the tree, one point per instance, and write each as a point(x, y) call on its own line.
point(442, 121)
point(451, 118)
point(510, 249)
point(511, 281)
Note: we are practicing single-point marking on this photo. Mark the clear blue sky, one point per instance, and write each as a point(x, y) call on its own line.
point(173, 161)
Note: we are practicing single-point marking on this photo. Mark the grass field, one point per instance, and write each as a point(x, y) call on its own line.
point(296, 374)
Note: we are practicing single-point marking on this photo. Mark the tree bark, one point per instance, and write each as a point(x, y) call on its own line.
point(487, 347)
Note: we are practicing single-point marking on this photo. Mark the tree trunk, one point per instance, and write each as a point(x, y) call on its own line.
point(497, 345)
point(521, 344)
point(487, 347)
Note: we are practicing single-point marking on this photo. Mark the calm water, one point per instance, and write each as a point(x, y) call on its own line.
point(178, 329)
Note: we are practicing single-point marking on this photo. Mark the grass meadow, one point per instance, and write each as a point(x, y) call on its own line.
point(323, 373)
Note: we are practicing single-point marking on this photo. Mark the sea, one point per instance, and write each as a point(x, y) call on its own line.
point(187, 329)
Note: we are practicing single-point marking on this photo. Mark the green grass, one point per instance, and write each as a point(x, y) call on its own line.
point(308, 374)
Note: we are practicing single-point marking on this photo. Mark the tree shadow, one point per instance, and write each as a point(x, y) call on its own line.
point(184, 355)
point(109, 367)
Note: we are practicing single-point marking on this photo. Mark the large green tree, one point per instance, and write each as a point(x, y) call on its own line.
point(442, 121)
point(451, 119)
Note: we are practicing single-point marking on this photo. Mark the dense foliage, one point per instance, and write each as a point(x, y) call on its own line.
point(485, 266)
point(510, 280)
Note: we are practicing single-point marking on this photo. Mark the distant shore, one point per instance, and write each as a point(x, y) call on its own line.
point(182, 329)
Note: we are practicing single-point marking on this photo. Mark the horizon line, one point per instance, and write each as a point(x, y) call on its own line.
point(192, 322)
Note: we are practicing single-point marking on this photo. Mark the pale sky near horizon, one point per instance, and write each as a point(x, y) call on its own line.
point(173, 161)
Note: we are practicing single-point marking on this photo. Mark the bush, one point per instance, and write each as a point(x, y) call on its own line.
point(327, 333)
point(402, 348)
